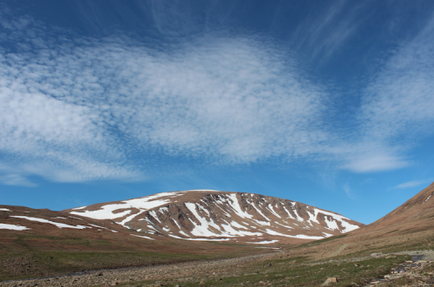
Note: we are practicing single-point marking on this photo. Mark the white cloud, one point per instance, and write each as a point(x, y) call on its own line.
point(349, 191)
point(409, 184)
point(396, 110)
point(375, 162)
point(77, 112)
point(325, 33)
point(88, 109)
point(15, 179)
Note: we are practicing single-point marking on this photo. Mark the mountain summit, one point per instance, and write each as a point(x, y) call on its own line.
point(221, 216)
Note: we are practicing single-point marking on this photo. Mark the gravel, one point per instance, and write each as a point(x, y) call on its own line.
point(180, 271)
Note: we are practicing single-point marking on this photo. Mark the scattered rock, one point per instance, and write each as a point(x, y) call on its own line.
point(329, 281)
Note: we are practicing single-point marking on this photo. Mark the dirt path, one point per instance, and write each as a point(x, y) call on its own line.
point(337, 252)
point(189, 271)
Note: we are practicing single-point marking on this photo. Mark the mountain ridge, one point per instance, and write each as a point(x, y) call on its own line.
point(222, 216)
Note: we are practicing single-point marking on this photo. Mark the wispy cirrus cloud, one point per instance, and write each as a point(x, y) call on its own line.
point(411, 184)
point(322, 35)
point(78, 109)
point(396, 108)
point(84, 108)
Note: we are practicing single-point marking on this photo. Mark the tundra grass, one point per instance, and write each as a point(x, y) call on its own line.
point(290, 272)
point(53, 263)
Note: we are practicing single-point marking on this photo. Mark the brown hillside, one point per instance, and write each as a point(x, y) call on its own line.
point(410, 226)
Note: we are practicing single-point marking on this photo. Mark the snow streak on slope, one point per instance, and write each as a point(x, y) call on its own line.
point(215, 215)
point(13, 227)
point(57, 224)
point(111, 211)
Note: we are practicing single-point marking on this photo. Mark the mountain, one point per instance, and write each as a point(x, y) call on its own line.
point(414, 218)
point(408, 227)
point(220, 216)
point(44, 243)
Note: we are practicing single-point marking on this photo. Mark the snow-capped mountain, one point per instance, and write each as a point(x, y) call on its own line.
point(219, 215)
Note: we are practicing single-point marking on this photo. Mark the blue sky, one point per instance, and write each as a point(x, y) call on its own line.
point(329, 103)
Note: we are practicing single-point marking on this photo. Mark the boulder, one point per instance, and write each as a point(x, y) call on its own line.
point(329, 281)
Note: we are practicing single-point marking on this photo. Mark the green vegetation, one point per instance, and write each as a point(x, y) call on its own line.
point(292, 272)
point(51, 263)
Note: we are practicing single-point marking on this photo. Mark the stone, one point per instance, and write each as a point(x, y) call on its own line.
point(329, 281)
point(376, 255)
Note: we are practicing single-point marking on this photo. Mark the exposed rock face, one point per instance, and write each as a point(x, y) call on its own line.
point(217, 215)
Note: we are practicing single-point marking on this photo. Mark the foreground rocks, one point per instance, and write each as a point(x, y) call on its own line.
point(416, 272)
point(181, 272)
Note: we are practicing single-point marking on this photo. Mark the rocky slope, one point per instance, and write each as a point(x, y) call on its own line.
point(222, 216)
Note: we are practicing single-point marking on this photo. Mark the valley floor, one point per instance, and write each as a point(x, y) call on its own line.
point(278, 269)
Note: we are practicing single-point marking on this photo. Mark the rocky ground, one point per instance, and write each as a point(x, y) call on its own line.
point(416, 272)
point(181, 272)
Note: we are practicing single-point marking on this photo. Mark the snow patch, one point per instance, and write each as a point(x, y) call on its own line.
point(73, 217)
point(4, 209)
point(97, 226)
point(78, 208)
point(236, 206)
point(300, 236)
point(271, 208)
point(13, 227)
point(57, 224)
point(143, 236)
point(422, 202)
point(347, 227)
point(143, 203)
point(129, 218)
point(264, 242)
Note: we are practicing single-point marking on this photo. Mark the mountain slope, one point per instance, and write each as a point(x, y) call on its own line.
point(416, 214)
point(217, 215)
point(408, 227)
point(42, 243)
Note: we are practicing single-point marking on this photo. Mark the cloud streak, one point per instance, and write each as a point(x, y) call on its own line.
point(79, 109)
point(82, 111)
point(410, 184)
point(396, 107)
